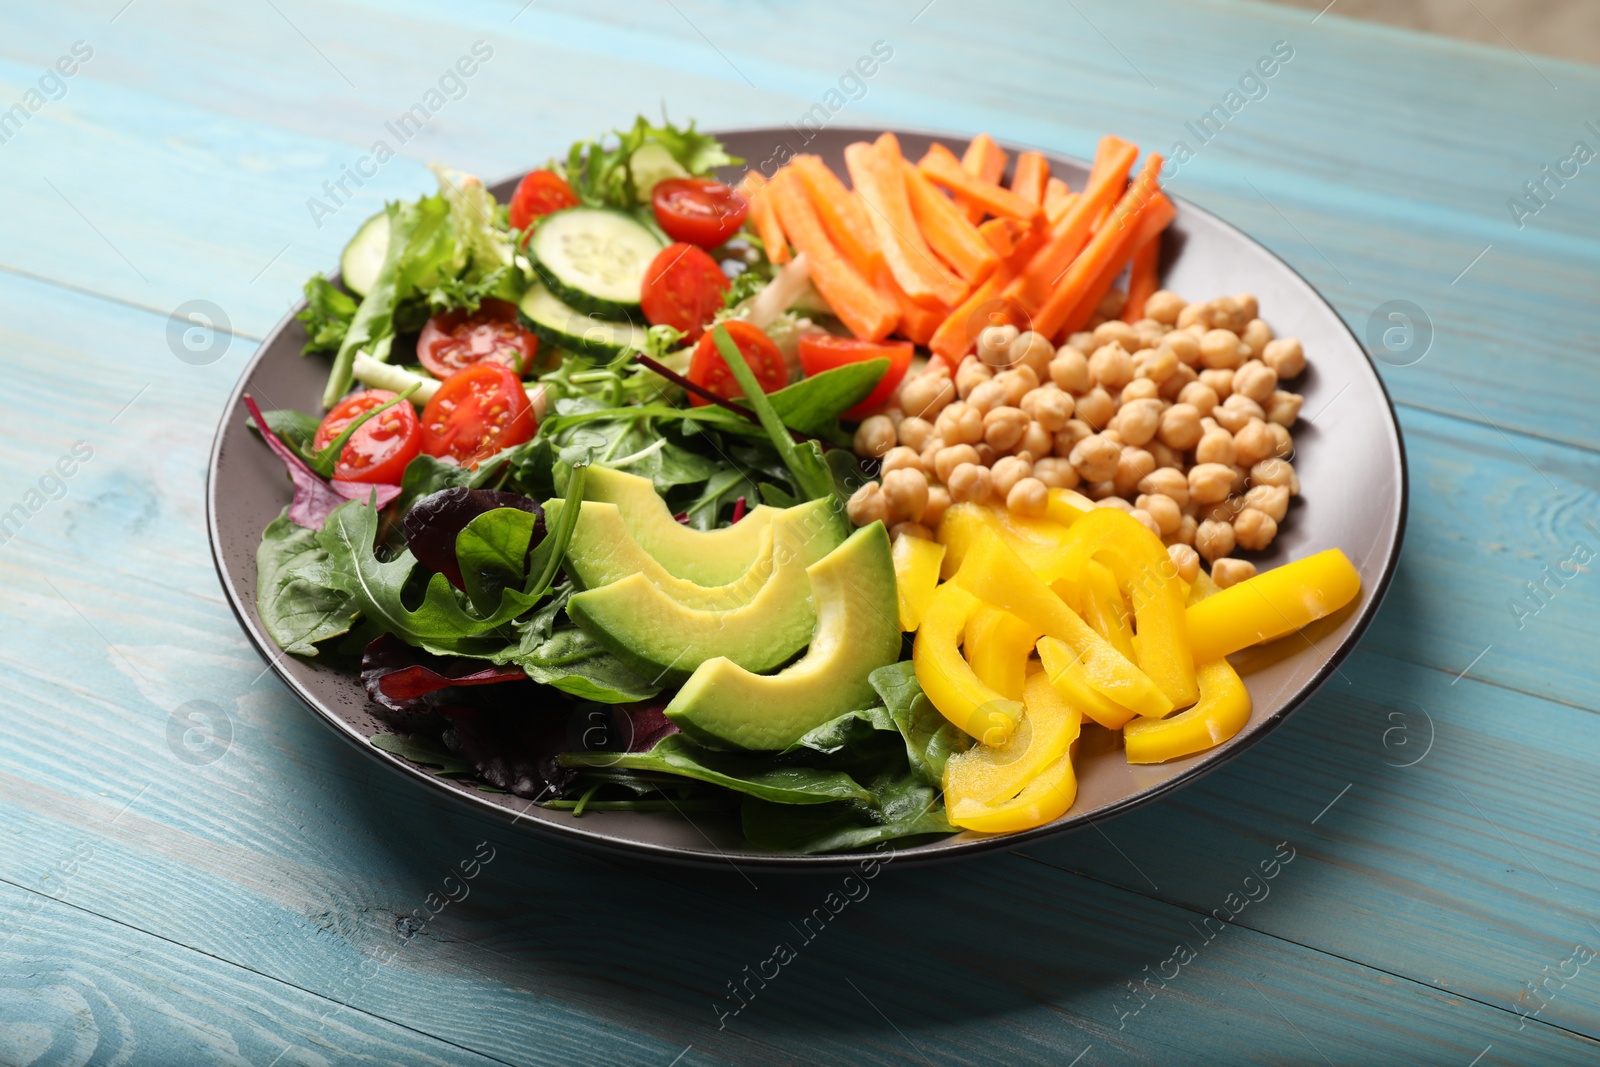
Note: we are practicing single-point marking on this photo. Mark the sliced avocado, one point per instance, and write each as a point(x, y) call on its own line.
point(858, 631)
point(665, 640)
point(603, 551)
point(705, 557)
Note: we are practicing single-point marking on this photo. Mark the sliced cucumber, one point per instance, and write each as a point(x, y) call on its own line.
point(651, 164)
point(560, 324)
point(362, 258)
point(594, 259)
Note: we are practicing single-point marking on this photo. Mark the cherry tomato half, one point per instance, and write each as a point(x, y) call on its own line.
point(701, 211)
point(710, 371)
point(683, 288)
point(821, 351)
point(381, 447)
point(540, 193)
point(455, 339)
point(476, 412)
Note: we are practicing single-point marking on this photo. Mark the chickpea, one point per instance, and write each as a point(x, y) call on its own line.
point(1111, 500)
point(1230, 572)
point(1195, 314)
point(1283, 408)
point(1236, 413)
point(1248, 305)
point(1186, 559)
point(1007, 472)
point(938, 501)
point(1096, 407)
point(1210, 482)
point(1132, 467)
point(1003, 428)
point(1158, 365)
point(901, 458)
point(1096, 458)
point(972, 373)
point(1034, 351)
point(914, 432)
point(1113, 436)
point(1184, 345)
point(1115, 331)
point(1252, 444)
point(1213, 539)
point(1163, 509)
point(969, 483)
point(1018, 383)
point(1180, 426)
point(1257, 334)
point(1070, 370)
point(906, 493)
point(1179, 380)
point(1036, 440)
point(1286, 357)
point(1220, 349)
point(1083, 341)
point(1164, 456)
point(960, 423)
point(1056, 473)
point(910, 529)
point(1254, 530)
point(1138, 421)
point(1111, 366)
point(1168, 482)
point(1112, 303)
point(867, 505)
point(1274, 472)
point(1098, 491)
point(1074, 431)
point(1220, 382)
point(994, 345)
point(1255, 380)
point(874, 436)
point(1029, 498)
point(1139, 389)
point(1144, 518)
point(948, 459)
point(1271, 500)
point(1216, 446)
point(926, 395)
point(1163, 306)
point(1282, 443)
point(987, 453)
point(1150, 333)
point(1199, 396)
point(1049, 406)
point(1188, 526)
point(930, 452)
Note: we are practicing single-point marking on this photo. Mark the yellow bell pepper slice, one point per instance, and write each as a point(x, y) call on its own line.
point(1202, 587)
point(1223, 710)
point(1103, 606)
point(993, 775)
point(1045, 799)
point(995, 573)
point(1037, 541)
point(1066, 506)
point(946, 678)
point(998, 646)
point(1271, 604)
point(916, 575)
point(1142, 567)
point(1065, 671)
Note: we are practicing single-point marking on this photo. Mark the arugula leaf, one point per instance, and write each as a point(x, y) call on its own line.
point(754, 776)
point(294, 598)
point(294, 428)
point(812, 405)
point(804, 459)
point(492, 551)
point(930, 738)
point(327, 315)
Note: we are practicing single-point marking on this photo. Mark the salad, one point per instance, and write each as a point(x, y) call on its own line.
point(843, 508)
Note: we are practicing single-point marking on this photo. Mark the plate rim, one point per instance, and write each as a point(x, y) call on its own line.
point(916, 855)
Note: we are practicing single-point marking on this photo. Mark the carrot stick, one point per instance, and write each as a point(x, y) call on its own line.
point(1143, 278)
point(917, 323)
point(858, 305)
point(1068, 236)
point(1112, 241)
point(942, 167)
point(1107, 158)
point(843, 215)
point(1029, 178)
point(1002, 235)
point(878, 177)
point(1146, 226)
point(762, 218)
point(1055, 199)
point(958, 333)
point(947, 229)
point(984, 160)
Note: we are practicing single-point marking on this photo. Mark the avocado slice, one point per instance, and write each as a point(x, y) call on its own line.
point(705, 557)
point(664, 639)
point(603, 550)
point(858, 631)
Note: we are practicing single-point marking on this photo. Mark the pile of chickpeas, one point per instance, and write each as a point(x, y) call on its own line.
point(1177, 419)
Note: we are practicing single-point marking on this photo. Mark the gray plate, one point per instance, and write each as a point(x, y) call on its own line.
point(1350, 460)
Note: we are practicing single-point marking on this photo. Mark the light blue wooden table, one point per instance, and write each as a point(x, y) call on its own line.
point(1440, 801)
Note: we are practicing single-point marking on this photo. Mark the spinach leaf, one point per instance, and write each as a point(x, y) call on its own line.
point(812, 404)
point(426, 475)
point(294, 428)
point(755, 777)
point(296, 603)
point(906, 808)
point(572, 661)
point(424, 750)
point(492, 552)
point(930, 738)
point(850, 732)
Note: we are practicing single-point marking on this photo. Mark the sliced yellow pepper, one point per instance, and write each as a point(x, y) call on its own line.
point(998, 646)
point(995, 573)
point(1037, 541)
point(1065, 671)
point(916, 574)
point(946, 678)
point(1141, 565)
point(1045, 799)
point(1223, 710)
point(994, 775)
point(1202, 587)
point(1103, 606)
point(1271, 604)
point(1067, 506)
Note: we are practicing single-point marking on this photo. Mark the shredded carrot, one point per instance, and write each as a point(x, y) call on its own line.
point(1143, 278)
point(763, 219)
point(1145, 224)
point(876, 172)
point(1002, 234)
point(1111, 243)
point(942, 167)
point(1029, 178)
point(859, 306)
point(945, 228)
point(986, 161)
point(1056, 200)
point(1069, 235)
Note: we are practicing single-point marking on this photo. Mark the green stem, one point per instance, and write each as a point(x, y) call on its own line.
point(323, 461)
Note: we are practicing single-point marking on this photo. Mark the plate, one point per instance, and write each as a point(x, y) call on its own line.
point(1349, 457)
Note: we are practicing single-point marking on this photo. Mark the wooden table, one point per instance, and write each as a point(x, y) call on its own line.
point(248, 903)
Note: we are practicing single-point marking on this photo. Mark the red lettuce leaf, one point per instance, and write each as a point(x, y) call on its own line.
point(432, 523)
point(315, 498)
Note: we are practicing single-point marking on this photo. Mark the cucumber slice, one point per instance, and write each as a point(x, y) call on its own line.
point(560, 324)
point(362, 258)
point(651, 164)
point(594, 259)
